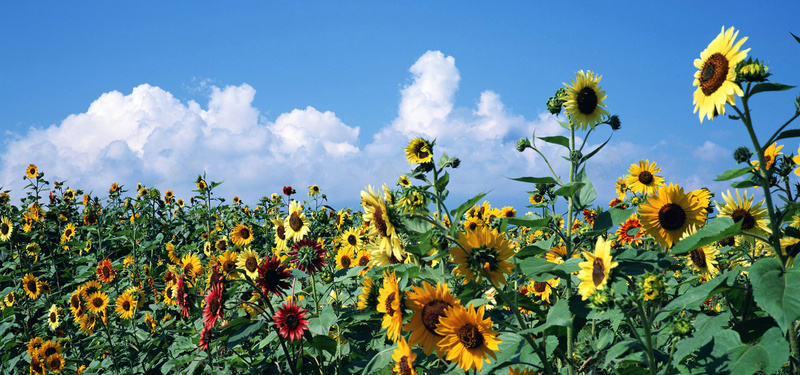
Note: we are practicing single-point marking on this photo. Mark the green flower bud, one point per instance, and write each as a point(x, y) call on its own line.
point(751, 71)
point(522, 144)
point(602, 299)
point(556, 101)
point(681, 327)
point(575, 156)
point(742, 155)
point(652, 286)
point(326, 276)
point(614, 122)
point(786, 166)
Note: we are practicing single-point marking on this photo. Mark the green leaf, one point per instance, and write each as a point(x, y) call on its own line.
point(557, 140)
point(324, 342)
point(694, 296)
point(569, 189)
point(536, 248)
point(558, 314)
point(456, 214)
point(769, 86)
point(717, 229)
point(704, 328)
point(776, 291)
point(441, 183)
point(536, 180)
point(743, 184)
point(587, 193)
point(596, 150)
point(529, 221)
point(791, 133)
point(733, 173)
point(611, 218)
point(769, 355)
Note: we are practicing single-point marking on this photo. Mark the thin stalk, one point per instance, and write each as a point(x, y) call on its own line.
point(568, 240)
point(280, 339)
point(521, 321)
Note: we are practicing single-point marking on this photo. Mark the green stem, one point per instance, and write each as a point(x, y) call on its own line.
point(569, 244)
point(289, 360)
point(648, 338)
point(528, 338)
point(314, 290)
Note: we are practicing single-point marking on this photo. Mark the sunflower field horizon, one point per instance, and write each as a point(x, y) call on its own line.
point(425, 275)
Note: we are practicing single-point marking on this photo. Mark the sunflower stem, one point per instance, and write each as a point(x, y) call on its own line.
point(289, 360)
point(568, 236)
point(314, 290)
point(528, 338)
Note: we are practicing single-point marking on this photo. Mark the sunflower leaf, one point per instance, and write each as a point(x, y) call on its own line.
point(791, 133)
point(456, 214)
point(613, 217)
point(776, 291)
point(717, 229)
point(557, 140)
point(733, 173)
point(743, 184)
point(569, 189)
point(529, 221)
point(769, 86)
point(536, 180)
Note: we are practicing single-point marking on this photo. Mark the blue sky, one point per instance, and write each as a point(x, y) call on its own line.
point(267, 94)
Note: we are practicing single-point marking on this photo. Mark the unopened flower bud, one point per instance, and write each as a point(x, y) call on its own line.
point(522, 144)
point(614, 122)
point(742, 155)
point(752, 71)
point(556, 101)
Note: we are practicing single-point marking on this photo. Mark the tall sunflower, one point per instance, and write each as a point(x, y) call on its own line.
point(429, 305)
point(584, 100)
point(390, 305)
point(716, 75)
point(296, 224)
point(596, 269)
point(642, 178)
point(31, 286)
point(291, 320)
point(69, 232)
point(228, 263)
point(241, 235)
point(754, 217)
point(6, 229)
point(419, 151)
point(53, 317)
point(280, 234)
point(105, 271)
point(191, 265)
point(98, 302)
point(308, 256)
point(344, 258)
point(483, 252)
point(248, 261)
point(467, 337)
point(403, 358)
point(669, 213)
point(376, 215)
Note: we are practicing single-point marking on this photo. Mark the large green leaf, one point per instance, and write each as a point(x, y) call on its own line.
point(704, 328)
point(611, 218)
point(694, 296)
point(769, 86)
point(737, 358)
point(717, 229)
point(777, 291)
point(733, 173)
point(529, 221)
point(557, 140)
point(569, 189)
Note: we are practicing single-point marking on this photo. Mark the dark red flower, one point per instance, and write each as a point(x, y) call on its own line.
point(308, 256)
point(180, 290)
point(213, 309)
point(204, 339)
point(291, 320)
point(287, 190)
point(273, 277)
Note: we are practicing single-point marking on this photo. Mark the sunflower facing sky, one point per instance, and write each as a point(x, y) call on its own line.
point(595, 270)
point(483, 252)
point(467, 337)
point(642, 178)
point(419, 151)
point(429, 305)
point(716, 75)
point(584, 100)
point(668, 214)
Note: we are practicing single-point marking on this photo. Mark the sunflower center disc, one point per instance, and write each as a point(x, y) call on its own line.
point(539, 286)
point(53, 317)
point(403, 365)
point(281, 232)
point(346, 261)
point(671, 216)
point(250, 264)
point(363, 261)
point(377, 220)
point(598, 271)
point(727, 241)
point(431, 313)
point(748, 221)
point(714, 73)
point(4, 228)
point(470, 336)
point(295, 222)
point(645, 177)
point(587, 100)
point(291, 321)
point(352, 240)
point(698, 257)
point(388, 304)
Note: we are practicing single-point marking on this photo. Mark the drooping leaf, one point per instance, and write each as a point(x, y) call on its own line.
point(769, 86)
point(733, 173)
point(717, 229)
point(791, 133)
point(776, 290)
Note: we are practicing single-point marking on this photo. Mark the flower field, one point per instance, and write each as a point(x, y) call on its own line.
point(661, 280)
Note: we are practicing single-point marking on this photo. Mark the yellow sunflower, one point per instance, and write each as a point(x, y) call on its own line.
point(621, 187)
point(344, 259)
point(584, 100)
point(53, 317)
point(643, 179)
point(482, 253)
point(296, 224)
point(770, 155)
point(31, 286)
point(248, 261)
point(716, 75)
point(754, 217)
point(376, 215)
point(69, 232)
point(313, 190)
point(280, 234)
point(126, 306)
point(543, 289)
point(790, 248)
point(404, 181)
point(98, 302)
point(467, 337)
point(516, 371)
point(54, 363)
point(227, 262)
point(6, 229)
point(363, 259)
point(403, 358)
point(191, 265)
point(429, 305)
point(669, 213)
point(31, 171)
point(369, 294)
point(419, 151)
point(389, 299)
point(241, 235)
point(352, 239)
point(702, 259)
point(508, 212)
point(473, 223)
point(9, 299)
point(595, 270)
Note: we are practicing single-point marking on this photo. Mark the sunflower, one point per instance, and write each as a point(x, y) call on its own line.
point(273, 276)
point(192, 268)
point(404, 181)
point(280, 234)
point(291, 320)
point(669, 213)
point(419, 151)
point(368, 299)
point(296, 224)
point(770, 155)
point(241, 235)
point(31, 171)
point(642, 178)
point(473, 223)
point(150, 322)
point(228, 263)
point(106, 272)
point(344, 259)
point(595, 270)
point(6, 229)
point(754, 217)
point(584, 100)
point(98, 302)
point(248, 261)
point(69, 232)
point(180, 202)
point(201, 184)
point(53, 317)
point(536, 198)
point(31, 286)
point(308, 256)
point(170, 294)
point(49, 348)
point(467, 336)
point(54, 362)
point(171, 253)
point(621, 187)
point(516, 371)
point(90, 287)
point(363, 259)
point(352, 240)
point(313, 190)
point(376, 216)
point(508, 212)
point(221, 244)
point(403, 358)
point(716, 75)
point(389, 304)
point(702, 259)
point(703, 198)
point(557, 254)
point(790, 248)
point(429, 305)
point(126, 306)
point(630, 232)
point(37, 367)
point(213, 308)
point(543, 289)
point(482, 253)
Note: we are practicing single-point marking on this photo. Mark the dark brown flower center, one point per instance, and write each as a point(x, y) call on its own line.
point(472, 225)
point(598, 271)
point(378, 222)
point(244, 233)
point(106, 272)
point(587, 100)
point(388, 304)
point(4, 228)
point(281, 232)
point(50, 351)
point(645, 177)
point(75, 301)
point(228, 266)
point(97, 302)
point(470, 336)
point(538, 198)
point(126, 305)
point(53, 317)
point(747, 219)
point(363, 261)
point(698, 257)
point(291, 321)
point(713, 74)
point(405, 369)
point(541, 287)
point(346, 261)
point(352, 240)
point(295, 222)
point(671, 216)
point(32, 286)
point(251, 264)
point(431, 313)
point(188, 270)
point(727, 241)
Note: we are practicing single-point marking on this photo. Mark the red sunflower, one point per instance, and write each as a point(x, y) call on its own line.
point(291, 320)
point(213, 309)
point(106, 272)
point(308, 256)
point(273, 276)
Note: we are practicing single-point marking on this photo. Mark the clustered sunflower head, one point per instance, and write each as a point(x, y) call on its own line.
point(428, 305)
point(584, 100)
point(308, 256)
point(652, 286)
point(716, 75)
point(419, 151)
